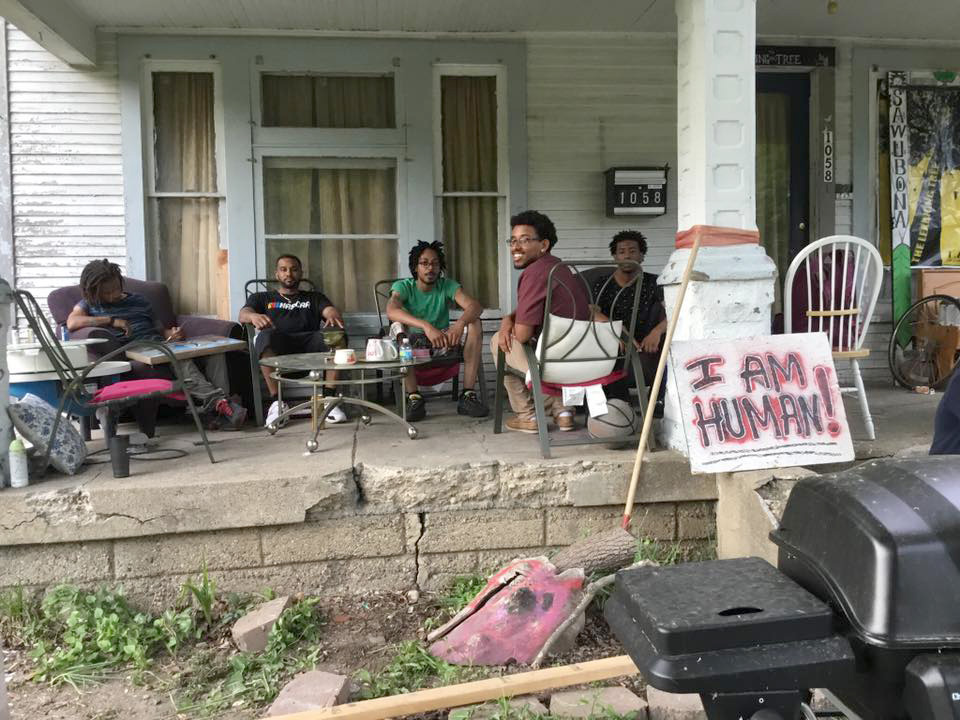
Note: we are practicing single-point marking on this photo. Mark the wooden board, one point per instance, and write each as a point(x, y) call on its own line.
point(762, 402)
point(186, 349)
point(474, 692)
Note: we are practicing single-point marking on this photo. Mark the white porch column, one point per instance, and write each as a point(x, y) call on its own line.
point(731, 292)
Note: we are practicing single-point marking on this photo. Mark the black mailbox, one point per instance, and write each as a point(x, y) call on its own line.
point(636, 191)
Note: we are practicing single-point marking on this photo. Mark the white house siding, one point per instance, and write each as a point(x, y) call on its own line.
point(594, 103)
point(65, 164)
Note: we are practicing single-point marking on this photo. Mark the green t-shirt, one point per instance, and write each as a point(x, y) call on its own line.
point(431, 306)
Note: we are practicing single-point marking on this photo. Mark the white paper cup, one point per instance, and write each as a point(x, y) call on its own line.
point(345, 356)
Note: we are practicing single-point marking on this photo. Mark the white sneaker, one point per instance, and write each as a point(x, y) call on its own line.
point(336, 415)
point(277, 408)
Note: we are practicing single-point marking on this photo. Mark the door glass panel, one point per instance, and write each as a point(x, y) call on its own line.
point(773, 176)
point(344, 270)
point(304, 200)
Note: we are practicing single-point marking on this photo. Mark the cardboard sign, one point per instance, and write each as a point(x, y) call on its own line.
point(761, 402)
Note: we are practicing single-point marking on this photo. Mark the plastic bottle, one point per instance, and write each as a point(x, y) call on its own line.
point(406, 351)
point(18, 464)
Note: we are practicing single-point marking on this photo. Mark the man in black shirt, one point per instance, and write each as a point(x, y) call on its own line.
point(288, 321)
point(615, 296)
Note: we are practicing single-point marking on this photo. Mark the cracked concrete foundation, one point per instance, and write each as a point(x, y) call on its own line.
point(372, 511)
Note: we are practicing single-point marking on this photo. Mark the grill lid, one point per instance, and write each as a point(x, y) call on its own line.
point(881, 542)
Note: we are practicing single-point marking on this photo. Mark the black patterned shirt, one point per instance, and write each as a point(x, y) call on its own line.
point(616, 302)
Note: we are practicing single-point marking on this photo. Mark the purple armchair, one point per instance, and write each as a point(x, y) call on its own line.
point(62, 300)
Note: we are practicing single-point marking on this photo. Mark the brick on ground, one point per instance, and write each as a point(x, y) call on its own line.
point(673, 706)
point(598, 702)
point(250, 632)
point(311, 691)
point(526, 704)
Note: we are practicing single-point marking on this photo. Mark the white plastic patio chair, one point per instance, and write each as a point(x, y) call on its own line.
point(843, 312)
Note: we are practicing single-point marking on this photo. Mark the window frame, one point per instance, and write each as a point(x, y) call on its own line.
point(499, 71)
point(355, 137)
point(331, 154)
point(147, 69)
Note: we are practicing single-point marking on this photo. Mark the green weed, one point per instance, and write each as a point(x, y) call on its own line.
point(217, 683)
point(411, 668)
point(660, 552)
point(462, 590)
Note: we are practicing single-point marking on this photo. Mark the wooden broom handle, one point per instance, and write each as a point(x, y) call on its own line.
point(657, 381)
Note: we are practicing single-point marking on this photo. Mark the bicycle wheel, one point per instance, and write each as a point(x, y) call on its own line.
point(923, 346)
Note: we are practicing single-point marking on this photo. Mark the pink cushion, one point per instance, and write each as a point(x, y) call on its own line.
point(556, 389)
point(437, 374)
point(134, 388)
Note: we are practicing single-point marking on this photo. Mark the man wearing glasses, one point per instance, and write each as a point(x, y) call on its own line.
point(531, 240)
point(420, 305)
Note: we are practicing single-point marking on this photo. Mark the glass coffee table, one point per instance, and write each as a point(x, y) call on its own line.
point(308, 369)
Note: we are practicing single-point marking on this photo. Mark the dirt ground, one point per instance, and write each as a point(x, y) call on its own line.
point(359, 634)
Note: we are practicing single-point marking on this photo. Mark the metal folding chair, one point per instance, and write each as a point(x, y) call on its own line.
point(576, 351)
point(250, 287)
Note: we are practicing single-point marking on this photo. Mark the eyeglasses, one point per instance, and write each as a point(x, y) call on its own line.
point(521, 240)
point(429, 263)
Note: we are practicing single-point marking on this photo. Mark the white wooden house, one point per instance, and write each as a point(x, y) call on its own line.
point(191, 140)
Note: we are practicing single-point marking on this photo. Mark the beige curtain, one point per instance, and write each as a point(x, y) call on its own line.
point(470, 227)
point(187, 229)
point(362, 201)
point(327, 101)
point(773, 181)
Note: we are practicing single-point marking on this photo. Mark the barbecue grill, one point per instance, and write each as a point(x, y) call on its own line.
point(865, 602)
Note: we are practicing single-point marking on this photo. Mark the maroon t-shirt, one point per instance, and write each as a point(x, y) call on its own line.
point(569, 297)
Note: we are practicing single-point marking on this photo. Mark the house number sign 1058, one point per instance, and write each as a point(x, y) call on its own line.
point(636, 191)
point(828, 156)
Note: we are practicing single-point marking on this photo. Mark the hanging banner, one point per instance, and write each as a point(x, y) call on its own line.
point(899, 209)
point(762, 402)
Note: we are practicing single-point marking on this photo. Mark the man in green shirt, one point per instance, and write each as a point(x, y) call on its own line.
point(420, 306)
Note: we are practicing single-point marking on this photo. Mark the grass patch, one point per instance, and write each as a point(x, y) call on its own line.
point(213, 682)
point(462, 590)
point(412, 668)
point(78, 636)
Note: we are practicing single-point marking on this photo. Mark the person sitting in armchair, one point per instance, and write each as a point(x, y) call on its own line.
point(420, 306)
point(131, 317)
point(290, 320)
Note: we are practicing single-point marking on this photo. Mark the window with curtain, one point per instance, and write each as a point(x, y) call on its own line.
point(339, 216)
point(327, 101)
point(183, 199)
point(470, 198)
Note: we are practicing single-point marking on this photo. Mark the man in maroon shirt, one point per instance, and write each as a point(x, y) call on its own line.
point(531, 240)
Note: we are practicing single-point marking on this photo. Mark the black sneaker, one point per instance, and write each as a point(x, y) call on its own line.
point(416, 407)
point(469, 404)
point(658, 410)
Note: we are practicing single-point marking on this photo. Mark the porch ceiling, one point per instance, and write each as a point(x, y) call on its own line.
point(925, 20)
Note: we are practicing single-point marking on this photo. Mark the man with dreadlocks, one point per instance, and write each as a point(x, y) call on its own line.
point(131, 317)
point(420, 305)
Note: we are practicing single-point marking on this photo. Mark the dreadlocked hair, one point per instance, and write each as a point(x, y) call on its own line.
point(417, 250)
point(95, 274)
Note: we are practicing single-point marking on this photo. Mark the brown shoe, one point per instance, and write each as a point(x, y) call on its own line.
point(525, 425)
point(564, 423)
